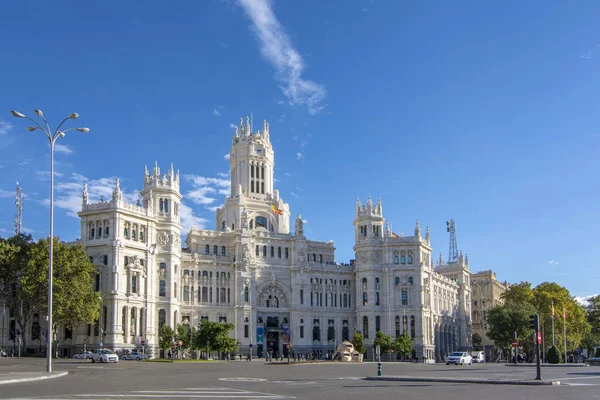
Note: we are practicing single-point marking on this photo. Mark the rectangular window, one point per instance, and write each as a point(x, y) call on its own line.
point(311, 299)
point(97, 282)
point(265, 251)
point(287, 254)
point(175, 290)
point(134, 284)
point(301, 296)
point(272, 252)
point(301, 332)
point(223, 251)
point(262, 187)
point(376, 298)
point(106, 233)
point(186, 293)
point(252, 186)
point(404, 297)
point(163, 288)
point(99, 232)
point(279, 252)
point(246, 331)
point(126, 261)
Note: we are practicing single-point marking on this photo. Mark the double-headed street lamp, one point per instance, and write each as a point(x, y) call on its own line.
point(52, 137)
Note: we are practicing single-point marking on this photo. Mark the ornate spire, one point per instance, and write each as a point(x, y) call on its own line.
point(427, 235)
point(248, 126)
point(467, 260)
point(379, 208)
point(171, 173)
point(369, 203)
point(84, 196)
point(417, 229)
point(177, 176)
point(117, 195)
point(388, 233)
point(441, 260)
point(156, 171)
point(460, 257)
point(146, 173)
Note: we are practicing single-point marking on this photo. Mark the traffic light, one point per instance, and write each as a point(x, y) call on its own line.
point(534, 322)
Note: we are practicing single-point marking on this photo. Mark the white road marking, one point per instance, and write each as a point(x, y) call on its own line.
point(580, 384)
point(242, 379)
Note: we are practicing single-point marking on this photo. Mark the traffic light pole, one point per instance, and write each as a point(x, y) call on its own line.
point(538, 362)
point(534, 323)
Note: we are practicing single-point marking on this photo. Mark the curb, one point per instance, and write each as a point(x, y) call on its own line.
point(578, 365)
point(459, 380)
point(34, 378)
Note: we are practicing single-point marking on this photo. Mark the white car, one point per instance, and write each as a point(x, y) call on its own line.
point(84, 355)
point(104, 355)
point(459, 357)
point(134, 356)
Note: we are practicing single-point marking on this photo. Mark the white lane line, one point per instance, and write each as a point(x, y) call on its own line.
point(242, 379)
point(580, 384)
point(189, 396)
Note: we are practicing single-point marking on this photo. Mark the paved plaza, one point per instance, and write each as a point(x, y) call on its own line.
point(256, 380)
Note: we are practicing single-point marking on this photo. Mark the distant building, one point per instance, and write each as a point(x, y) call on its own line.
point(487, 294)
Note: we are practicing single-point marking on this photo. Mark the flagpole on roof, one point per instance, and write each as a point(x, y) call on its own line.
point(565, 331)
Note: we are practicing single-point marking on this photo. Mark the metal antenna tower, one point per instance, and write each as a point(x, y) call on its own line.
point(19, 204)
point(453, 253)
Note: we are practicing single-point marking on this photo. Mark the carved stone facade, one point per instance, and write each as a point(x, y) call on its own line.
point(276, 286)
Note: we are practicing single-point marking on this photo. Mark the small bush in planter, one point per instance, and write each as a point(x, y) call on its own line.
point(553, 355)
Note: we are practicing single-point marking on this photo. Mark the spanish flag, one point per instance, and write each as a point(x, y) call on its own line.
point(394, 235)
point(276, 210)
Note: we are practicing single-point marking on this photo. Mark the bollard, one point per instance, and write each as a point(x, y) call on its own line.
point(379, 373)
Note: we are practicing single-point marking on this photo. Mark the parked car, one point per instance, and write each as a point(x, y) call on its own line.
point(104, 355)
point(478, 356)
point(134, 355)
point(459, 358)
point(84, 355)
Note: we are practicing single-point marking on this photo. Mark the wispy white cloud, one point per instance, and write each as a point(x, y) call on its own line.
point(214, 208)
point(189, 219)
point(277, 49)
point(226, 156)
point(281, 102)
point(205, 190)
point(294, 194)
point(5, 127)
point(45, 175)
point(305, 221)
point(584, 300)
point(61, 148)
point(232, 126)
point(223, 175)
point(586, 55)
point(299, 156)
point(5, 194)
point(216, 112)
point(554, 262)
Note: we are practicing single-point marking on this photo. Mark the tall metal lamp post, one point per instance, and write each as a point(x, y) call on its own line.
point(52, 137)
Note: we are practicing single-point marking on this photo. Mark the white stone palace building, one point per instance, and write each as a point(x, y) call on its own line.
point(261, 273)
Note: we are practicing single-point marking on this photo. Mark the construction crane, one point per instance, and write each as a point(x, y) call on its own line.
point(453, 253)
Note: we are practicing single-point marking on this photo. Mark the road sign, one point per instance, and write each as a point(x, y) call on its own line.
point(84, 341)
point(180, 343)
point(143, 342)
point(515, 343)
point(539, 337)
point(250, 345)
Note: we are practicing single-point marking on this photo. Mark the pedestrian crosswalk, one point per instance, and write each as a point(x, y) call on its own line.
point(174, 394)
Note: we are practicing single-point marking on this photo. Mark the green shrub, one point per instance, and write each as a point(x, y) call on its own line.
point(553, 355)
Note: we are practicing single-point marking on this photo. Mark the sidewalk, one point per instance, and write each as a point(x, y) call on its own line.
point(19, 377)
point(530, 382)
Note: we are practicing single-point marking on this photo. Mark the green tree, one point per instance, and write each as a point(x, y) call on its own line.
point(504, 320)
point(215, 335)
point(553, 355)
point(167, 335)
point(16, 274)
point(185, 333)
point(358, 342)
point(519, 293)
point(383, 341)
point(547, 293)
point(593, 314)
point(402, 345)
point(74, 298)
point(477, 341)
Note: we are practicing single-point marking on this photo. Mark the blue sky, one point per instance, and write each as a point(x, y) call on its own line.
point(485, 113)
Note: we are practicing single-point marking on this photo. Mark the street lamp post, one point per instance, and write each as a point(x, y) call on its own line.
point(52, 137)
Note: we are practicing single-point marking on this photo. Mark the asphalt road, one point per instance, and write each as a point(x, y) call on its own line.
point(255, 380)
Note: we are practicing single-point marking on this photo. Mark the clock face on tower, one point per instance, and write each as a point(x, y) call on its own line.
point(258, 150)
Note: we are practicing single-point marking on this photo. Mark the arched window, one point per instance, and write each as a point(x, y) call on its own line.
point(377, 323)
point(397, 280)
point(246, 294)
point(366, 327)
point(163, 288)
point(412, 327)
point(261, 222)
point(410, 259)
point(223, 225)
point(320, 257)
point(223, 250)
point(345, 300)
point(301, 296)
point(264, 251)
point(161, 205)
point(410, 280)
point(364, 283)
point(207, 249)
point(162, 318)
point(365, 299)
point(257, 252)
point(395, 259)
point(215, 250)
point(272, 252)
point(403, 259)
point(166, 205)
point(397, 326)
point(251, 224)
